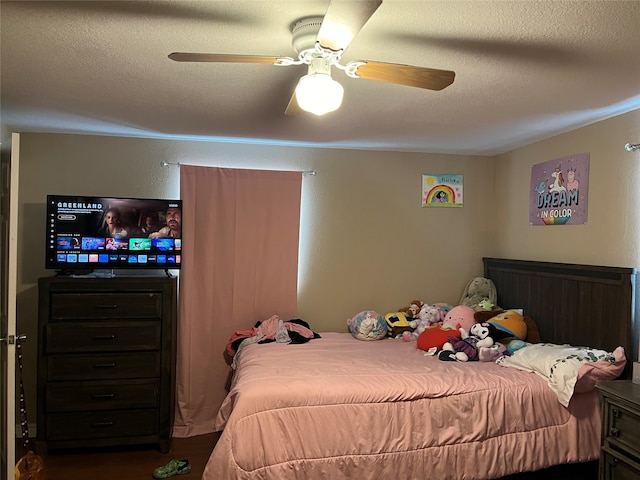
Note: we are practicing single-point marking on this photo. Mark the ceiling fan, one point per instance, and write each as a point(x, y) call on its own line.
point(320, 43)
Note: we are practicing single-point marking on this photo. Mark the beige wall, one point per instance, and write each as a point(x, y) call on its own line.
point(611, 235)
point(366, 242)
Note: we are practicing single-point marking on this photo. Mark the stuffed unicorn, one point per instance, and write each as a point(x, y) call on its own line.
point(427, 316)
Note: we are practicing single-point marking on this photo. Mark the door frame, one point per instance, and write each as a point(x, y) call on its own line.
point(9, 283)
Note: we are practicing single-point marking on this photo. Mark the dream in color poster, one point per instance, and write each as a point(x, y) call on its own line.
point(560, 191)
point(442, 190)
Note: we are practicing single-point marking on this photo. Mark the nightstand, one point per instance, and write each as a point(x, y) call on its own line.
point(620, 454)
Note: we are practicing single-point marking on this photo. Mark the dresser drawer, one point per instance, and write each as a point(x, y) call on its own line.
point(101, 395)
point(615, 466)
point(106, 361)
point(103, 366)
point(621, 427)
point(70, 306)
point(72, 337)
point(90, 425)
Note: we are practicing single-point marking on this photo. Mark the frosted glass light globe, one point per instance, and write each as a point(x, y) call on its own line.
point(318, 93)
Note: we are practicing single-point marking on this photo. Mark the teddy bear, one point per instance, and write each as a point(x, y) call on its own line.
point(428, 316)
point(480, 294)
point(413, 309)
point(467, 347)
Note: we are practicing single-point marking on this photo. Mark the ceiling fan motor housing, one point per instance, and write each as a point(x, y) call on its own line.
point(304, 34)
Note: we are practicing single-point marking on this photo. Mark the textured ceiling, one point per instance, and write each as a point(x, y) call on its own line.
point(525, 70)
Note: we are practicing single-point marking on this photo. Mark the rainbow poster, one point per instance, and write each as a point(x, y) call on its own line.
point(559, 191)
point(442, 190)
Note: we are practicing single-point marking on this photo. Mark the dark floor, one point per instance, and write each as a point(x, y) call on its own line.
point(131, 463)
point(138, 463)
point(582, 471)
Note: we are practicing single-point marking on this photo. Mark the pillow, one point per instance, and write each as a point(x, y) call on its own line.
point(368, 325)
point(435, 337)
point(601, 371)
point(561, 366)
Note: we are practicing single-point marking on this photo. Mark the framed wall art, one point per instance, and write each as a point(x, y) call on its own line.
point(442, 190)
point(559, 191)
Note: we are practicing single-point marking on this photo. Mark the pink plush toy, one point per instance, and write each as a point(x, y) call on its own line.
point(456, 318)
point(460, 316)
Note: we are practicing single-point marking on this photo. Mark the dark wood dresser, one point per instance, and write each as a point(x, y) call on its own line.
point(620, 455)
point(106, 361)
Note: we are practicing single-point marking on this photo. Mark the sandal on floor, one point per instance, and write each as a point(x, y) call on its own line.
point(174, 467)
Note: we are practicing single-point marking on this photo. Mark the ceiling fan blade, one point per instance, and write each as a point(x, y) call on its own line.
point(408, 75)
point(343, 21)
point(293, 108)
point(223, 58)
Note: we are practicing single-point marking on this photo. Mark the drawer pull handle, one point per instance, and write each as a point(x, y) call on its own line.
point(104, 365)
point(614, 432)
point(102, 424)
point(101, 396)
point(104, 337)
point(106, 307)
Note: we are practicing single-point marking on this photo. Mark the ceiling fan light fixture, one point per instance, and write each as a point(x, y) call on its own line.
point(318, 93)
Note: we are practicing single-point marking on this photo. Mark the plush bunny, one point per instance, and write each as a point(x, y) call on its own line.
point(467, 347)
point(480, 294)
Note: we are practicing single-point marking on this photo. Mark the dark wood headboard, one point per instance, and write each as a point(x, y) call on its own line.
point(583, 305)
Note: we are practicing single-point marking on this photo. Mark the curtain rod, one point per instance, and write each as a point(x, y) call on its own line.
point(632, 147)
point(164, 164)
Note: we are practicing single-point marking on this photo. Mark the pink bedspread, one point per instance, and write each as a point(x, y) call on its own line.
point(338, 407)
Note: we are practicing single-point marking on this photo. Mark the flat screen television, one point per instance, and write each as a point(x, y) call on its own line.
point(107, 233)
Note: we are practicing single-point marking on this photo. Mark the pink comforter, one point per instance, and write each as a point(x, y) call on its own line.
point(338, 407)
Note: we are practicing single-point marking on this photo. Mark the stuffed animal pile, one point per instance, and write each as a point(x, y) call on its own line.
point(490, 338)
point(436, 336)
point(403, 320)
point(475, 330)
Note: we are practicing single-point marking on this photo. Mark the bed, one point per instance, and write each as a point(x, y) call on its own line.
point(337, 407)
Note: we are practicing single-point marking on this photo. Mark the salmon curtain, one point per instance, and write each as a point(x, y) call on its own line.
point(239, 265)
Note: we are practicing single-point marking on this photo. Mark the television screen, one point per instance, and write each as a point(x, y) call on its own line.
point(101, 233)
